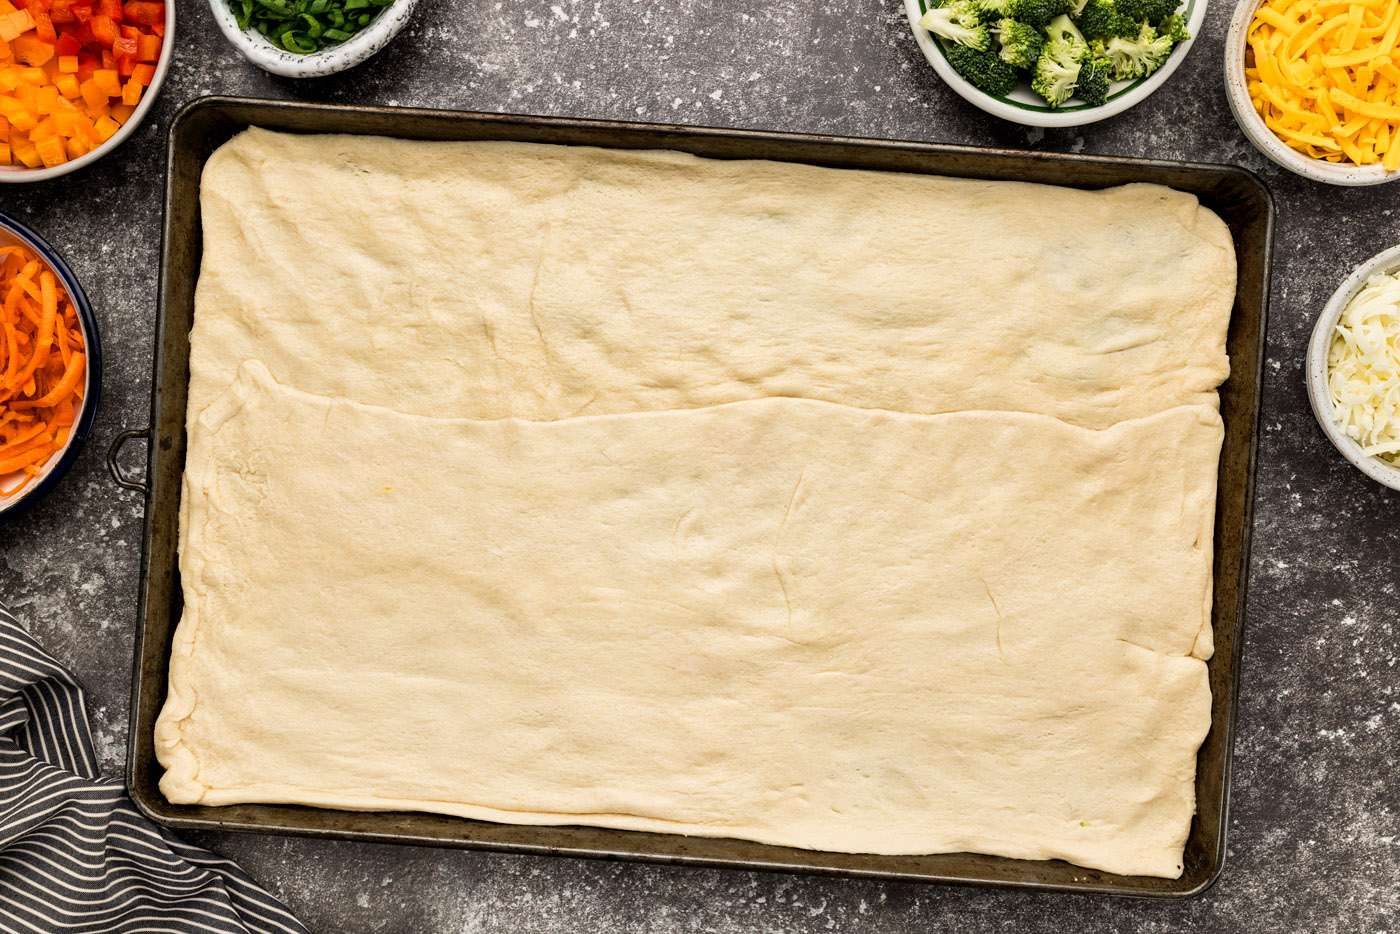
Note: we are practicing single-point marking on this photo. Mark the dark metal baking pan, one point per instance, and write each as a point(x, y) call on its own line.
point(1236, 195)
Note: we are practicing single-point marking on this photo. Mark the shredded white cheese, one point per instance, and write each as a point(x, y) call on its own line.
point(1364, 368)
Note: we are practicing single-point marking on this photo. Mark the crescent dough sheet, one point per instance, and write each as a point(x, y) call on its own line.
point(491, 279)
point(857, 511)
point(779, 619)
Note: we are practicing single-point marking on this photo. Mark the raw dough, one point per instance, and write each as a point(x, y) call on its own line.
point(781, 620)
point(657, 526)
point(486, 279)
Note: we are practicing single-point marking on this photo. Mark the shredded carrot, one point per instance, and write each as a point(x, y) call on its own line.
point(44, 370)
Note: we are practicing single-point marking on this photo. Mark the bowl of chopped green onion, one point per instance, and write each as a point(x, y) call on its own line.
point(1055, 63)
point(310, 38)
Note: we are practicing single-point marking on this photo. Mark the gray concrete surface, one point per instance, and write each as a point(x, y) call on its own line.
point(1315, 820)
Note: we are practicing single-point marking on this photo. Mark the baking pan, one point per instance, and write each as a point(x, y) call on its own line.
point(1236, 195)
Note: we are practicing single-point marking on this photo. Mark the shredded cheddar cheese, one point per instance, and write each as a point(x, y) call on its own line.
point(1363, 368)
point(1323, 76)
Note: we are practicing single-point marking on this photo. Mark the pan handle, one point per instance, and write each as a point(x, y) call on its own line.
point(115, 449)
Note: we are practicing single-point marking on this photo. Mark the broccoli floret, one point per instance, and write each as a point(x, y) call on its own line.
point(1095, 78)
point(1174, 28)
point(992, 11)
point(1101, 19)
point(1056, 73)
point(1138, 57)
point(1063, 30)
point(1021, 45)
point(1036, 12)
point(1077, 6)
point(983, 68)
point(1148, 11)
point(958, 22)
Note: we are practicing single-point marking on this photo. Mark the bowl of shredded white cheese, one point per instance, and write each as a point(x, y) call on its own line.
point(1353, 368)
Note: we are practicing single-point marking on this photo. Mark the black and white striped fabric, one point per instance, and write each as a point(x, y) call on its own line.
point(75, 855)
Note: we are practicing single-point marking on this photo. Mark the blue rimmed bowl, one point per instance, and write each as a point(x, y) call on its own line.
point(12, 232)
point(1027, 107)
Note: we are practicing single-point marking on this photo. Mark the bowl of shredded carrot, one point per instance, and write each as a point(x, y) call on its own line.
point(1315, 86)
point(51, 370)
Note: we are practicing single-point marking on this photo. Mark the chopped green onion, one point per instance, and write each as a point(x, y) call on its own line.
point(306, 26)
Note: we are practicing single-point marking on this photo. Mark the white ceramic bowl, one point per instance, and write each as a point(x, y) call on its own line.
point(11, 173)
point(1316, 368)
point(259, 50)
point(1025, 106)
point(1263, 138)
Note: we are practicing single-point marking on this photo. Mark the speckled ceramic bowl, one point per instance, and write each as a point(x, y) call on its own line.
point(12, 232)
point(1027, 107)
point(256, 47)
point(19, 173)
point(1315, 369)
point(1263, 138)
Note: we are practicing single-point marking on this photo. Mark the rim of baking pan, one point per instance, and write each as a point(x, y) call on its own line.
point(1246, 205)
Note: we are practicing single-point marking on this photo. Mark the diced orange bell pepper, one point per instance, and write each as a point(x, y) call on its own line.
point(47, 99)
point(27, 93)
point(43, 26)
point(24, 120)
point(92, 94)
point(32, 50)
point(52, 151)
point(28, 155)
point(72, 72)
point(104, 30)
point(148, 48)
point(107, 82)
point(146, 14)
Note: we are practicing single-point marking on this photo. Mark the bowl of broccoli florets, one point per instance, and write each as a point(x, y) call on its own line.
point(1055, 62)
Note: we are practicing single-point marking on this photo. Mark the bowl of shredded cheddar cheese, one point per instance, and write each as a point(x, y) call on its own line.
point(1315, 86)
point(1353, 368)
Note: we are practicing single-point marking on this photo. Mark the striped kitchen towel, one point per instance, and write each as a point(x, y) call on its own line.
point(75, 855)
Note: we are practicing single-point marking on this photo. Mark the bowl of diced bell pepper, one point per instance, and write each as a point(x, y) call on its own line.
point(76, 77)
